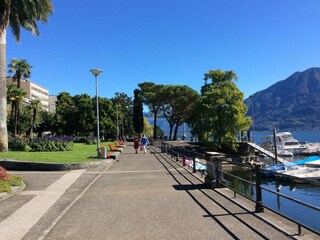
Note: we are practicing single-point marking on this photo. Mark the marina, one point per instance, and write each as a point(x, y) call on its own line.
point(300, 190)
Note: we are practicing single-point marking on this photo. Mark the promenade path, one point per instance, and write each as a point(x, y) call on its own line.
point(140, 196)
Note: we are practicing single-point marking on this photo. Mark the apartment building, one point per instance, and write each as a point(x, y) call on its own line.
point(34, 91)
point(52, 103)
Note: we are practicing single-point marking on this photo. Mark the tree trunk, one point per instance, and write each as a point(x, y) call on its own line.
point(15, 120)
point(155, 125)
point(170, 131)
point(3, 93)
point(176, 131)
point(32, 123)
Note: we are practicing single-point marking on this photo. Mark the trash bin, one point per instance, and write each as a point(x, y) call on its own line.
point(103, 151)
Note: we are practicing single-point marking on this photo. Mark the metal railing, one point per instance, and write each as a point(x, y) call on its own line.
point(182, 154)
point(187, 157)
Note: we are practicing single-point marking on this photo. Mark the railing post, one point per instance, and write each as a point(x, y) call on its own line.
point(194, 160)
point(259, 203)
point(214, 164)
point(183, 160)
point(177, 159)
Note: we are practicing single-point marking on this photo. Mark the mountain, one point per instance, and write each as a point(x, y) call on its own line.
point(290, 104)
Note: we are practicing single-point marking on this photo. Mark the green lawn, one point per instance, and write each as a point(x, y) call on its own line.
point(80, 153)
point(6, 186)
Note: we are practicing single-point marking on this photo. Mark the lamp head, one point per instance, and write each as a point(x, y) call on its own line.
point(96, 72)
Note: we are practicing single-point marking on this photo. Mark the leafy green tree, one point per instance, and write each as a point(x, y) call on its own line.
point(76, 116)
point(47, 124)
point(65, 118)
point(34, 106)
point(107, 118)
point(20, 68)
point(220, 113)
point(13, 15)
point(125, 111)
point(84, 115)
point(147, 128)
point(24, 121)
point(153, 98)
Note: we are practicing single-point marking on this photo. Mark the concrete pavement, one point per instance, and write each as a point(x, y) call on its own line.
point(141, 196)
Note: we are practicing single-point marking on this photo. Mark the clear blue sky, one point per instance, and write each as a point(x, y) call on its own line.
point(170, 42)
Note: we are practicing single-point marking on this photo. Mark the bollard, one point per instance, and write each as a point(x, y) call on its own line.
point(177, 159)
point(183, 161)
point(259, 203)
point(194, 160)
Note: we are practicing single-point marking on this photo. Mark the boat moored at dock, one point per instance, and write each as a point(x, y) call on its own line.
point(284, 142)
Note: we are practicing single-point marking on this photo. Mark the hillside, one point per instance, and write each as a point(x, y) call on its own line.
point(290, 104)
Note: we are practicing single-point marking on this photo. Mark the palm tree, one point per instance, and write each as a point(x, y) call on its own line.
point(20, 69)
point(34, 106)
point(15, 96)
point(11, 93)
point(15, 14)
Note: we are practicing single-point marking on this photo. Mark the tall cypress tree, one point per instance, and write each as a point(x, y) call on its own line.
point(137, 111)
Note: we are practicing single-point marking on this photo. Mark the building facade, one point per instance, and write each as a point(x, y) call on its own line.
point(52, 103)
point(34, 91)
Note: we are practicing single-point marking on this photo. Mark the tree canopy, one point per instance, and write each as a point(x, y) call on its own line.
point(178, 105)
point(219, 114)
point(153, 98)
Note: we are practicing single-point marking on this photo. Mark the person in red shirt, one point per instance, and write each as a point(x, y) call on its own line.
point(136, 144)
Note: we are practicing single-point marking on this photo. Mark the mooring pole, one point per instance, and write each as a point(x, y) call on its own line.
point(275, 144)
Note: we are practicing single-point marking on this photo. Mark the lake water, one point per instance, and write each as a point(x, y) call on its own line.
point(304, 192)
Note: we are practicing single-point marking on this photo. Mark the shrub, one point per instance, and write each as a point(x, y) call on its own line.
point(50, 146)
point(86, 140)
point(3, 174)
point(19, 145)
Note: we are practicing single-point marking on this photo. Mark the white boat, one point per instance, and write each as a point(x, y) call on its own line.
point(284, 142)
point(299, 171)
point(301, 174)
point(313, 164)
point(284, 153)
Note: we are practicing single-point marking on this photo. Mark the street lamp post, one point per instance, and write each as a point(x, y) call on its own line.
point(251, 98)
point(122, 130)
point(117, 138)
point(96, 73)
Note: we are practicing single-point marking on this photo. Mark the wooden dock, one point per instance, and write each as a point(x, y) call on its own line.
point(266, 152)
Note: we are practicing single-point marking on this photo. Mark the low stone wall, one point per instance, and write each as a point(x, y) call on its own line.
point(11, 164)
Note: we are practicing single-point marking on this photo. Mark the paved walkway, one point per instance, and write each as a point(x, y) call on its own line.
point(141, 196)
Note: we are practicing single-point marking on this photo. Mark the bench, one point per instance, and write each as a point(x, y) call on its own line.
point(114, 149)
point(119, 145)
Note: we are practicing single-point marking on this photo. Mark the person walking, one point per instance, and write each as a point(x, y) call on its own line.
point(144, 142)
point(136, 144)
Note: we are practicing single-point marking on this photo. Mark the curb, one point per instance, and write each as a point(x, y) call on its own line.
point(15, 190)
point(11, 164)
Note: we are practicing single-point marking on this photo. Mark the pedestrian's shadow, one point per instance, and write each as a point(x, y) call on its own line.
point(189, 187)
